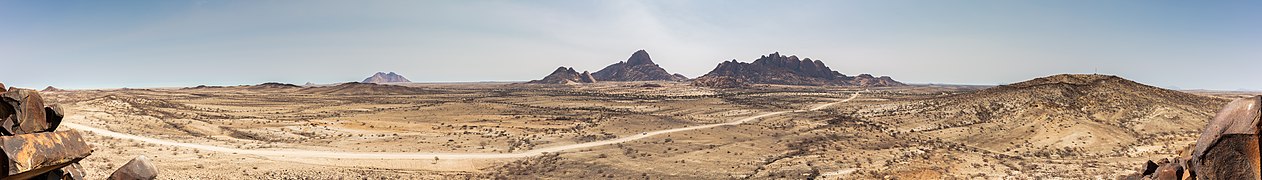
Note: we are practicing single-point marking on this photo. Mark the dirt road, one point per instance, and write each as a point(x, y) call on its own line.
point(380, 155)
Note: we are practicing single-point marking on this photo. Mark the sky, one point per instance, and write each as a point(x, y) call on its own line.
point(75, 44)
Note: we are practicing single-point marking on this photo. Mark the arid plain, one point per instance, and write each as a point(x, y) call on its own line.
point(1068, 126)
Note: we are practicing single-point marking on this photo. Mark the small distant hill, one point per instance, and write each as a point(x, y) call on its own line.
point(356, 88)
point(564, 75)
point(639, 67)
point(47, 89)
point(274, 85)
point(788, 70)
point(382, 77)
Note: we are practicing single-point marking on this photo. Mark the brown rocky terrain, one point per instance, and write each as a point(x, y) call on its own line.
point(787, 70)
point(564, 75)
point(639, 67)
point(1092, 114)
point(1056, 127)
point(1067, 118)
point(382, 77)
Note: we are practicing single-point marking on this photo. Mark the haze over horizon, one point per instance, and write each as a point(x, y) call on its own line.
point(103, 44)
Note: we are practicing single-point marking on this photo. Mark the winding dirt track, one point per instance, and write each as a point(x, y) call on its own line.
point(372, 155)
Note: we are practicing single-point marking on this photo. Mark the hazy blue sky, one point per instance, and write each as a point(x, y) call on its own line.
point(102, 44)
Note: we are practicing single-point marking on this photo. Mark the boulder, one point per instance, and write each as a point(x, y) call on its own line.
point(54, 115)
point(28, 114)
point(1228, 146)
point(138, 168)
point(1168, 171)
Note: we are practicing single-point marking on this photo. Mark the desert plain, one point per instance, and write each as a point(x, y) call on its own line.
point(1064, 126)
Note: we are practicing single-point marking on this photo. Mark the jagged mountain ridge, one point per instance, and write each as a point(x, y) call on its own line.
point(789, 70)
point(565, 75)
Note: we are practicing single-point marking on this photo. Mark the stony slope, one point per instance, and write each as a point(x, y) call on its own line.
point(1060, 115)
point(639, 67)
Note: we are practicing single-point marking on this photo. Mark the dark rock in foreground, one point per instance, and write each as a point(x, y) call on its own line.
point(1228, 147)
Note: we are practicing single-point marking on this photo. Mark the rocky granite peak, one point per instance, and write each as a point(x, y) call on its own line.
point(566, 75)
point(640, 57)
point(639, 67)
point(382, 77)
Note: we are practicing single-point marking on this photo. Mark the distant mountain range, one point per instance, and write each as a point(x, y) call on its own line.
point(382, 77)
point(639, 67)
point(788, 70)
point(768, 69)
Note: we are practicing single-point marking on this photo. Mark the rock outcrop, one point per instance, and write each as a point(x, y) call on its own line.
point(382, 77)
point(1228, 147)
point(639, 67)
point(32, 145)
point(564, 75)
point(788, 70)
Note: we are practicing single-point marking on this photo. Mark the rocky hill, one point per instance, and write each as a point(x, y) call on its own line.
point(355, 88)
point(564, 75)
point(382, 77)
point(639, 67)
point(51, 89)
point(789, 70)
point(274, 85)
point(1056, 116)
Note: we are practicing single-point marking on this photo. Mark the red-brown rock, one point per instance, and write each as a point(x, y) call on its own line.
point(28, 114)
point(1228, 147)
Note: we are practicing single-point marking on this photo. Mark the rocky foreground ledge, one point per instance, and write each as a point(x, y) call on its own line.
point(1228, 148)
point(31, 146)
